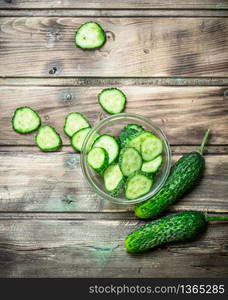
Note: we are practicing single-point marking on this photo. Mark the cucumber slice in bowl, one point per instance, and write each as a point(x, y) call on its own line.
point(128, 132)
point(152, 166)
point(25, 120)
point(110, 144)
point(90, 35)
point(130, 161)
point(112, 100)
point(137, 140)
point(74, 122)
point(78, 138)
point(137, 185)
point(151, 147)
point(114, 180)
point(48, 139)
point(97, 159)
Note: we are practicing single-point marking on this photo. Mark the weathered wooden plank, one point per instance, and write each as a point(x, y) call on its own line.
point(100, 4)
point(50, 248)
point(54, 182)
point(148, 47)
point(184, 113)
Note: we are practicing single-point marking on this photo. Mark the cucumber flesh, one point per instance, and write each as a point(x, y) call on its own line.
point(112, 100)
point(47, 139)
point(152, 166)
point(90, 35)
point(137, 185)
point(74, 122)
point(113, 179)
point(130, 161)
point(110, 144)
point(78, 138)
point(97, 159)
point(137, 141)
point(151, 147)
point(25, 120)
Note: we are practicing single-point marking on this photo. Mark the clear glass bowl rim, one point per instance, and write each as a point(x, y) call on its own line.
point(107, 196)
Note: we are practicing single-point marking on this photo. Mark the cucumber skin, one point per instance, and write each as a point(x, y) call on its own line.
point(183, 176)
point(184, 226)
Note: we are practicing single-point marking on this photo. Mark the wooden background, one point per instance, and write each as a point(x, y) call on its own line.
point(171, 60)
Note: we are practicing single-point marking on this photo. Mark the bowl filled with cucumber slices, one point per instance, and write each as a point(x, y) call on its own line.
point(126, 158)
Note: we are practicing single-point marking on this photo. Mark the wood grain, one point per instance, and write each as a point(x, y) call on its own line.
point(184, 113)
point(90, 248)
point(148, 47)
point(117, 4)
point(51, 182)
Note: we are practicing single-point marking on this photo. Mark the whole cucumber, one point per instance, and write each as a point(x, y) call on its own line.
point(183, 226)
point(183, 175)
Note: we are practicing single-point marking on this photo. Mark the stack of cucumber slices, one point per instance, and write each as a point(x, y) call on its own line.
point(127, 163)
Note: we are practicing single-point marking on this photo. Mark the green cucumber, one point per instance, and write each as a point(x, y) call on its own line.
point(78, 138)
point(180, 227)
point(151, 147)
point(130, 161)
point(90, 35)
point(110, 144)
point(152, 166)
point(48, 139)
point(97, 159)
point(184, 175)
point(136, 141)
point(25, 120)
point(112, 100)
point(137, 185)
point(74, 122)
point(128, 132)
point(114, 180)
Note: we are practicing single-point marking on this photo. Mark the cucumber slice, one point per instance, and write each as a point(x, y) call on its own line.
point(74, 122)
point(152, 166)
point(128, 132)
point(90, 35)
point(137, 141)
point(137, 185)
point(114, 180)
point(130, 161)
point(48, 139)
point(151, 147)
point(110, 144)
point(112, 100)
point(78, 138)
point(25, 120)
point(97, 159)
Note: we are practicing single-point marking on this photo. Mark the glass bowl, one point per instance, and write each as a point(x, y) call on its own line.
point(112, 125)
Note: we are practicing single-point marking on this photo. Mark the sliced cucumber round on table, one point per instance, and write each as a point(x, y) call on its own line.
point(130, 161)
point(151, 147)
point(137, 185)
point(74, 122)
point(110, 144)
point(112, 100)
point(90, 35)
point(152, 166)
point(137, 140)
point(25, 120)
point(113, 179)
point(78, 138)
point(48, 139)
point(97, 159)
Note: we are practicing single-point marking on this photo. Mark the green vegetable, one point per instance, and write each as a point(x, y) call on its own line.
point(114, 180)
point(183, 176)
point(74, 122)
point(112, 100)
point(25, 120)
point(130, 161)
point(97, 159)
point(151, 147)
point(78, 138)
point(90, 35)
point(137, 185)
point(184, 226)
point(128, 132)
point(47, 139)
point(137, 140)
point(110, 144)
point(152, 166)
